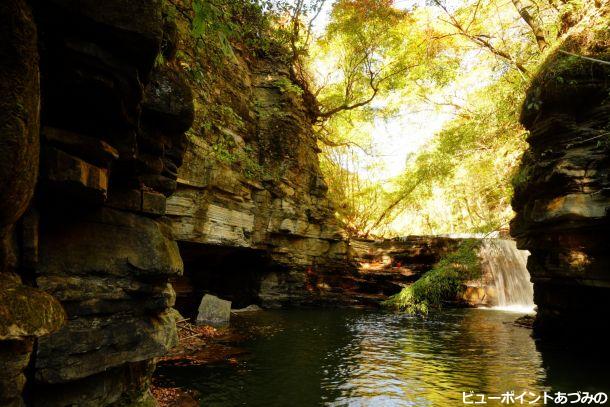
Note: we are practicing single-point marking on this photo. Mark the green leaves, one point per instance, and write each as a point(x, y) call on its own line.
point(369, 51)
point(212, 21)
point(441, 284)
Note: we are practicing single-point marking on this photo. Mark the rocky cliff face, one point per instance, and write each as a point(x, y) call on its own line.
point(386, 266)
point(562, 192)
point(86, 251)
point(101, 179)
point(250, 212)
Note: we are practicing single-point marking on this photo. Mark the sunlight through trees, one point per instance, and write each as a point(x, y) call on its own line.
point(415, 103)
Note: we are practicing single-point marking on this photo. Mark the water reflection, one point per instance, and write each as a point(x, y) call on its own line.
point(357, 358)
point(399, 360)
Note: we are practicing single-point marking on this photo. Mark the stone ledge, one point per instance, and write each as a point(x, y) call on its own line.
point(89, 345)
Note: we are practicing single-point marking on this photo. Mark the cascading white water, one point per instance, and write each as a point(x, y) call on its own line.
point(508, 267)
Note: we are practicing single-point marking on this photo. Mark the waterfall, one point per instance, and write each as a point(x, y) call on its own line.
point(508, 268)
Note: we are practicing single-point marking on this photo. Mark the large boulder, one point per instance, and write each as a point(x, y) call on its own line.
point(214, 311)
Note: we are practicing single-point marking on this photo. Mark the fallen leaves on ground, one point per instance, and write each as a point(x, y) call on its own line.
point(173, 397)
point(198, 345)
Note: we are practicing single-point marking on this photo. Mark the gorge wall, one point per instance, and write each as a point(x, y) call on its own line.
point(119, 192)
point(250, 212)
point(108, 199)
point(92, 133)
point(562, 192)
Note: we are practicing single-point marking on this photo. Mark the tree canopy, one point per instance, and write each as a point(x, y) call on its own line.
point(466, 65)
point(459, 68)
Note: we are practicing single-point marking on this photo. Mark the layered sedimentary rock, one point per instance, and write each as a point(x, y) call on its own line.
point(562, 192)
point(87, 251)
point(25, 312)
point(254, 226)
point(384, 267)
point(92, 245)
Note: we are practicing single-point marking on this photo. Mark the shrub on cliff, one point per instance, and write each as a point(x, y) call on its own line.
point(442, 284)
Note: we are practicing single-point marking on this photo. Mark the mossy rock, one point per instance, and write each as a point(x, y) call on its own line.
point(19, 112)
point(567, 79)
point(27, 311)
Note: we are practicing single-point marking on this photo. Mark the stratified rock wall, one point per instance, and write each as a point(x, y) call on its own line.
point(384, 267)
point(562, 192)
point(94, 122)
point(271, 200)
point(85, 95)
point(25, 311)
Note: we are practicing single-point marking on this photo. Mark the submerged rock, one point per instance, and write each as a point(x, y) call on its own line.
point(249, 308)
point(214, 311)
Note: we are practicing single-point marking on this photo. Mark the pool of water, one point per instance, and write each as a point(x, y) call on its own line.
point(376, 358)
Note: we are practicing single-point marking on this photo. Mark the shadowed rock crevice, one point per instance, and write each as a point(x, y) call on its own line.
point(25, 312)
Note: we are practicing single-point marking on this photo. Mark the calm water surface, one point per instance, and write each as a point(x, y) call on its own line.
point(374, 358)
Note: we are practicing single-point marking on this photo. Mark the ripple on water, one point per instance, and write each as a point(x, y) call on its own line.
point(361, 358)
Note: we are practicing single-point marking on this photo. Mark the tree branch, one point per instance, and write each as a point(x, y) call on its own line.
point(393, 205)
point(532, 23)
point(480, 39)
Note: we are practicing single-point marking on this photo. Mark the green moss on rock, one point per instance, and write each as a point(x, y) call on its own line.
point(567, 77)
point(27, 311)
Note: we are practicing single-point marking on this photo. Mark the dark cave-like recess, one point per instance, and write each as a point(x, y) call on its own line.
point(231, 273)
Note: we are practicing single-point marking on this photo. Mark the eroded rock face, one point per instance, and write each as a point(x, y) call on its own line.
point(272, 204)
point(386, 266)
point(25, 312)
point(562, 193)
point(126, 384)
point(93, 240)
point(15, 356)
point(19, 115)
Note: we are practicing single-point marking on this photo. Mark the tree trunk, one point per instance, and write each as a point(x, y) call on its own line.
point(532, 23)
